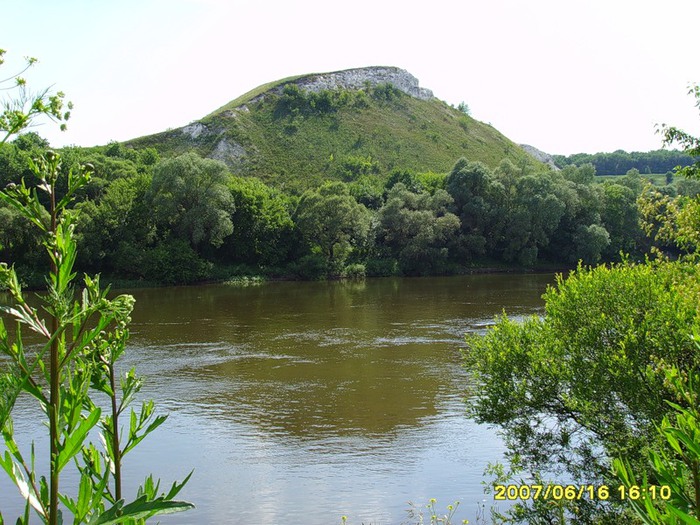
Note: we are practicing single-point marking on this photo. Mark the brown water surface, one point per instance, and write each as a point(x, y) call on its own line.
point(303, 402)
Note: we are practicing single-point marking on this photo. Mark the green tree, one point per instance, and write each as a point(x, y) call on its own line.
point(474, 192)
point(418, 229)
point(332, 222)
point(589, 243)
point(580, 175)
point(262, 224)
point(530, 212)
point(578, 387)
point(190, 198)
point(113, 227)
point(671, 493)
point(620, 217)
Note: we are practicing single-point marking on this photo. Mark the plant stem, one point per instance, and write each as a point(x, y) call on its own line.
point(696, 486)
point(54, 372)
point(115, 437)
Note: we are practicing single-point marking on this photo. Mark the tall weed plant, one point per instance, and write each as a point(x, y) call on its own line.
point(83, 334)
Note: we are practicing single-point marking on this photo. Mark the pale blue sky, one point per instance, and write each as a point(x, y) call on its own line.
point(564, 76)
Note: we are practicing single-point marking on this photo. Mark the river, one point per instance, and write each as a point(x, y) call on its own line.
point(301, 402)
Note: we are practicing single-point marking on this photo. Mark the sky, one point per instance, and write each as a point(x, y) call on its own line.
point(565, 76)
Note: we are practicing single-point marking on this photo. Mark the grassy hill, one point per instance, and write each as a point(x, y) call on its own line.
point(293, 133)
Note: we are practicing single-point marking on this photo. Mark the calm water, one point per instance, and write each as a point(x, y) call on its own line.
point(302, 402)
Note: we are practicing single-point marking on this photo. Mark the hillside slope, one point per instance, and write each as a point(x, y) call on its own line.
point(301, 130)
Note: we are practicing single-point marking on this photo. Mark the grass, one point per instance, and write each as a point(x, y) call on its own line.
point(300, 151)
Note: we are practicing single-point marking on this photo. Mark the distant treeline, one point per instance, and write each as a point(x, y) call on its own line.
point(188, 219)
point(620, 162)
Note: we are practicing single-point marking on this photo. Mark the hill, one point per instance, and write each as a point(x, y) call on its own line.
point(302, 130)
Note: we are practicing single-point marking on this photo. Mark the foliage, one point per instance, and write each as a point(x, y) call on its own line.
point(353, 168)
point(295, 102)
point(310, 267)
point(263, 229)
point(20, 110)
point(386, 92)
point(355, 271)
point(368, 191)
point(405, 177)
point(331, 221)
point(690, 144)
point(475, 203)
point(672, 223)
point(82, 341)
point(138, 211)
point(620, 162)
point(170, 262)
point(417, 229)
point(121, 218)
point(620, 218)
point(189, 196)
point(580, 385)
point(671, 494)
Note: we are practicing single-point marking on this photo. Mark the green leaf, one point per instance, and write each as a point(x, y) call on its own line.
point(74, 442)
point(177, 487)
point(15, 473)
point(135, 439)
point(138, 509)
point(687, 519)
point(27, 316)
point(688, 441)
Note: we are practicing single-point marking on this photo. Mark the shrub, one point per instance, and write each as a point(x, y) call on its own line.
point(354, 271)
point(385, 267)
point(310, 267)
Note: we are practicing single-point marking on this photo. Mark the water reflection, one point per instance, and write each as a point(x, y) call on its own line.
point(301, 402)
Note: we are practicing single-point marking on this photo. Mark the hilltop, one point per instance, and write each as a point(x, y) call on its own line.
point(350, 173)
point(302, 130)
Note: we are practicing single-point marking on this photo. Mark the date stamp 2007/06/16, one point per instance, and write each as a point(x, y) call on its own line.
point(578, 492)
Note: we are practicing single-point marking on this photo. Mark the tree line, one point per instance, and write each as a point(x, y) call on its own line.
point(620, 162)
point(187, 219)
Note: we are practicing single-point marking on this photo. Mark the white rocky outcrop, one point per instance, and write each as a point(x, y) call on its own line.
point(194, 130)
point(537, 154)
point(358, 79)
point(228, 152)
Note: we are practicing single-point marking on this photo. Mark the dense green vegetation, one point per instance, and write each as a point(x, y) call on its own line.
point(603, 390)
point(185, 219)
point(325, 184)
point(620, 162)
point(592, 391)
point(297, 139)
point(586, 383)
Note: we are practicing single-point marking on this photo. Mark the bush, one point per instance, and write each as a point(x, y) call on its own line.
point(311, 267)
point(382, 267)
point(386, 92)
point(175, 262)
point(582, 385)
point(354, 271)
